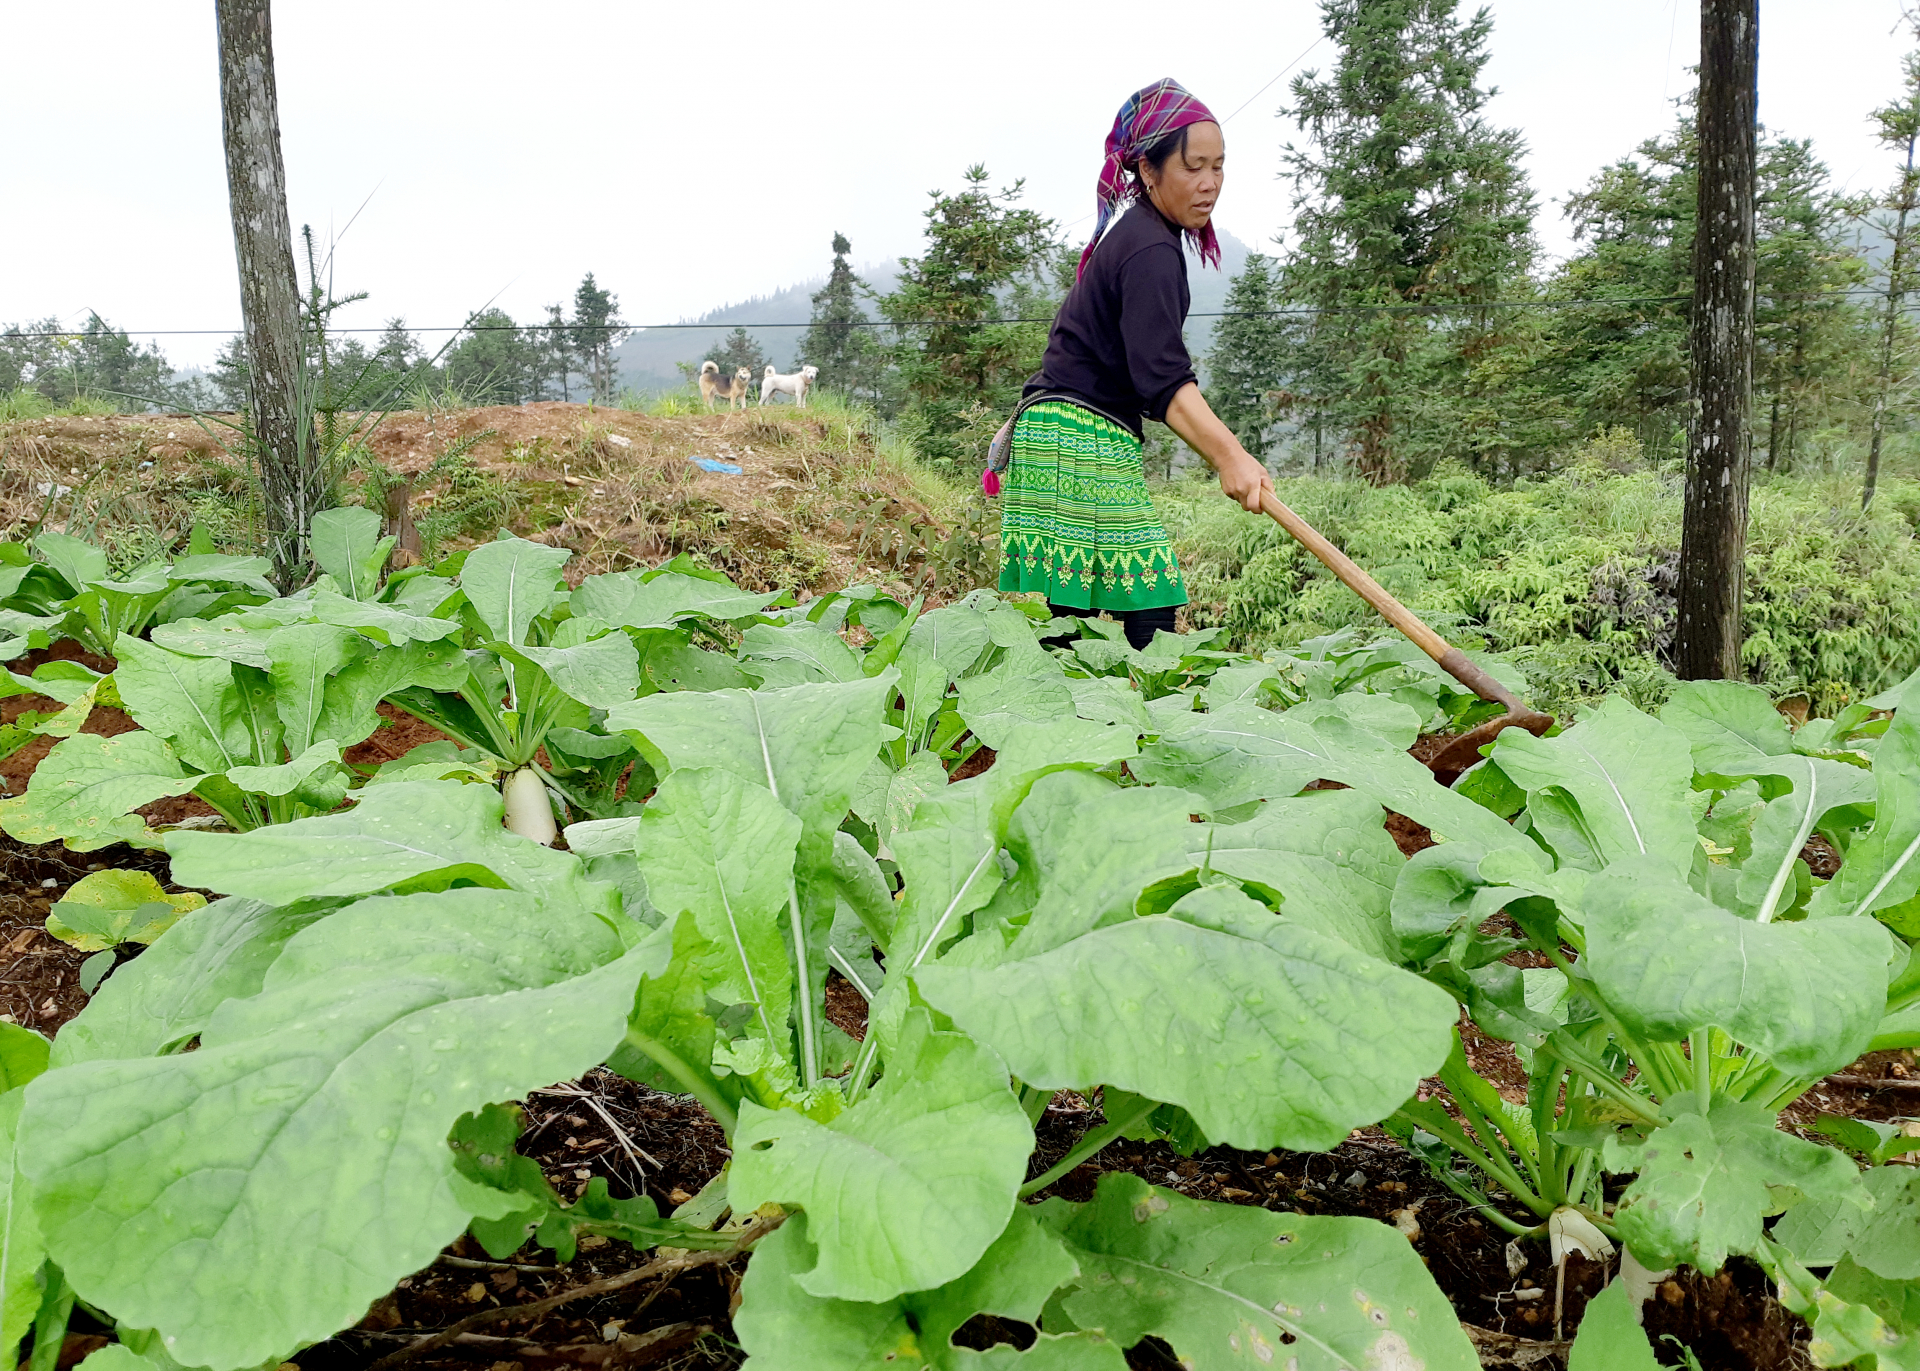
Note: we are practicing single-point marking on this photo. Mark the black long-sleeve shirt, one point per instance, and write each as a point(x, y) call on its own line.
point(1116, 342)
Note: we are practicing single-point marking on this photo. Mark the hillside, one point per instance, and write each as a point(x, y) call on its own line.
point(646, 359)
point(820, 502)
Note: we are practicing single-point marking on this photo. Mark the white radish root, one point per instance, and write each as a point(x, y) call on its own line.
point(529, 811)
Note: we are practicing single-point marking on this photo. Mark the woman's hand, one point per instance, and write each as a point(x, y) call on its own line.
point(1242, 477)
point(1244, 480)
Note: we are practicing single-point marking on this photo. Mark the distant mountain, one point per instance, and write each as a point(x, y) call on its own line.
point(646, 360)
point(1209, 291)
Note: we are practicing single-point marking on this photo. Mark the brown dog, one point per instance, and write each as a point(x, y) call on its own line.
point(733, 390)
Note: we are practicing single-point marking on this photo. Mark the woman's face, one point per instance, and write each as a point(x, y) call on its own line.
point(1186, 188)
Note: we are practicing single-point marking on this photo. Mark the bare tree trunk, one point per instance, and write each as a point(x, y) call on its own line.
point(1896, 292)
point(1713, 539)
point(290, 479)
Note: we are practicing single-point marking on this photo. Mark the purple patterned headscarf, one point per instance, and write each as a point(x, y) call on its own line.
point(1147, 116)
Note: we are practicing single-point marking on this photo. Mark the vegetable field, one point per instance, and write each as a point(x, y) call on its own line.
point(885, 893)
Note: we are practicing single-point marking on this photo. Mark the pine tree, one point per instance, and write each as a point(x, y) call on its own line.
point(104, 363)
point(398, 349)
point(738, 349)
point(1248, 364)
point(230, 377)
point(1405, 195)
point(960, 373)
point(28, 351)
point(838, 340)
point(557, 355)
point(1806, 326)
point(1625, 364)
point(595, 329)
point(495, 363)
point(396, 363)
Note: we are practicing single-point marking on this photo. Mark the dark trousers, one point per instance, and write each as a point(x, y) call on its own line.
point(1139, 624)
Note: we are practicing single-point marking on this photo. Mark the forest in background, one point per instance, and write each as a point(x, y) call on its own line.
point(1404, 319)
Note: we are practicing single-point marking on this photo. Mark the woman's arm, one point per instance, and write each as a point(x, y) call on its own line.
point(1241, 476)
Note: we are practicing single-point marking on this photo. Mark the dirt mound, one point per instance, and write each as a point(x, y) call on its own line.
point(818, 501)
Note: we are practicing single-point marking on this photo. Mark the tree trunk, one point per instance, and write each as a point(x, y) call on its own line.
point(1713, 537)
point(290, 483)
point(1896, 293)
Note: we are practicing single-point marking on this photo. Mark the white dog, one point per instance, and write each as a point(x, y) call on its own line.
point(797, 385)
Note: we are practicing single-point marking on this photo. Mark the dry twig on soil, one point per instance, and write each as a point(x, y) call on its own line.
point(1506, 1352)
point(665, 1266)
point(1875, 1082)
point(629, 1349)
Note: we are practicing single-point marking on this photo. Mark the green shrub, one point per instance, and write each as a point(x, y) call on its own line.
point(1574, 574)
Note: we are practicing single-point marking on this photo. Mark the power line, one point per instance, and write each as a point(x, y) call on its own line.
point(1449, 307)
point(1241, 109)
point(1283, 71)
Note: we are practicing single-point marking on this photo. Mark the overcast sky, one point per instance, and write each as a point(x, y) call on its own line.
point(693, 154)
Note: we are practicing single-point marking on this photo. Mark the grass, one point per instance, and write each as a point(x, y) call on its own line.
point(437, 393)
point(23, 402)
point(135, 485)
point(669, 404)
point(85, 406)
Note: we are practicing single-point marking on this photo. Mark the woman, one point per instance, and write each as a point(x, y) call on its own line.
point(1078, 525)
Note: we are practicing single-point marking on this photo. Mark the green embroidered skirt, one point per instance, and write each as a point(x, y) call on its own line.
point(1077, 524)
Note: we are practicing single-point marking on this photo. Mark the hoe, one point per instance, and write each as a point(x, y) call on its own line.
point(1463, 751)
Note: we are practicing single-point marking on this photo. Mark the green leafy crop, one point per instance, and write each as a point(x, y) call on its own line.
point(301, 1091)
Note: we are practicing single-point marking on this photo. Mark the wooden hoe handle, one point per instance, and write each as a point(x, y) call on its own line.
point(1450, 658)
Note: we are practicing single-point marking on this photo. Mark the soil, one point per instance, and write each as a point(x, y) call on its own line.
point(1502, 1288)
point(1728, 1320)
point(641, 1142)
point(977, 761)
point(666, 1146)
point(1821, 857)
point(1369, 1176)
point(1408, 835)
point(1893, 1095)
point(104, 721)
point(40, 986)
point(846, 1007)
point(398, 734)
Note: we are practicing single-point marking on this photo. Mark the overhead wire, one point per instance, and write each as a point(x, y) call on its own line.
point(1283, 71)
point(1443, 307)
point(1450, 307)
